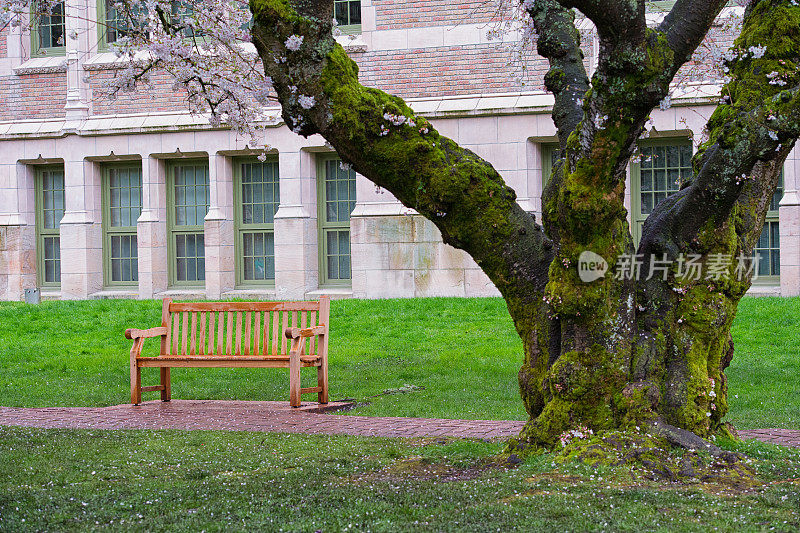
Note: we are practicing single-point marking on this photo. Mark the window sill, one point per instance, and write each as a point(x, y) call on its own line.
point(336, 293)
point(352, 43)
point(105, 61)
point(251, 293)
point(765, 288)
point(42, 65)
point(187, 293)
point(116, 293)
point(49, 294)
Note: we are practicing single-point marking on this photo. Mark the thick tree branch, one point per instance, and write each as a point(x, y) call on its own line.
point(385, 141)
point(757, 125)
point(687, 24)
point(620, 20)
point(559, 42)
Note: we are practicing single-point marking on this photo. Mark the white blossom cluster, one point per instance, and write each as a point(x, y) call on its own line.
point(24, 13)
point(205, 49)
point(306, 102)
point(294, 42)
point(581, 432)
point(398, 121)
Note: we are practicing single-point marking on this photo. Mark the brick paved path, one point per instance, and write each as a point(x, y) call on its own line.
point(279, 417)
point(248, 416)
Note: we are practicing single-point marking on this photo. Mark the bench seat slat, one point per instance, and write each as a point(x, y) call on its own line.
point(275, 339)
point(243, 306)
point(193, 336)
point(175, 330)
point(211, 357)
point(222, 362)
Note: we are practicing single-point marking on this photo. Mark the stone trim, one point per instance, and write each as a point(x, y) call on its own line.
point(42, 65)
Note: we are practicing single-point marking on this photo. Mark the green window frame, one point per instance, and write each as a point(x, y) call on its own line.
point(658, 171)
point(348, 14)
point(49, 31)
point(768, 248)
point(180, 11)
point(256, 197)
point(659, 6)
point(550, 154)
point(111, 24)
point(50, 206)
point(187, 206)
point(122, 205)
point(336, 199)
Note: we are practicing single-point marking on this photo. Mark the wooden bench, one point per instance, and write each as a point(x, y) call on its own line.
point(237, 335)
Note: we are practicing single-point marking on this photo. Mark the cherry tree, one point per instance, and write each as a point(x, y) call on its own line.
point(623, 352)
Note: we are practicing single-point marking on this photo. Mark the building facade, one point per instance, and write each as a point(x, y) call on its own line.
point(135, 197)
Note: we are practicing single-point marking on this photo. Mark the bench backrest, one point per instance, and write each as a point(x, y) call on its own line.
point(239, 328)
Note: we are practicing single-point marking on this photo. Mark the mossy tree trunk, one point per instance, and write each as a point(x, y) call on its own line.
point(614, 352)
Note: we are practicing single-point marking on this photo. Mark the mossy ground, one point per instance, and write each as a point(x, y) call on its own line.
point(652, 458)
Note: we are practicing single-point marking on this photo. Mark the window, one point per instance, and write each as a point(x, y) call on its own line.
point(257, 196)
point(188, 201)
point(113, 23)
point(122, 205)
point(49, 31)
point(660, 171)
point(663, 6)
point(348, 15)
point(768, 247)
point(656, 6)
point(182, 15)
point(49, 212)
point(336, 201)
point(551, 153)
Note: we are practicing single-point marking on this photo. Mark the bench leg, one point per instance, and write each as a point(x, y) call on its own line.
point(294, 381)
point(166, 394)
point(136, 384)
point(322, 381)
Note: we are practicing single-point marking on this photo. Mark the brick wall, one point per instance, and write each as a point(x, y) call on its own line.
point(489, 68)
point(425, 72)
point(429, 72)
point(395, 14)
point(161, 99)
point(4, 42)
point(32, 96)
point(704, 62)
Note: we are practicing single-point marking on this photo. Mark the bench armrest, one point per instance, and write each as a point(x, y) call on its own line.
point(296, 333)
point(145, 333)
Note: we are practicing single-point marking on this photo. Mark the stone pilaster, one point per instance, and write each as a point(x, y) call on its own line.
point(219, 228)
point(81, 230)
point(79, 38)
point(789, 217)
point(152, 230)
point(17, 260)
point(17, 231)
point(296, 257)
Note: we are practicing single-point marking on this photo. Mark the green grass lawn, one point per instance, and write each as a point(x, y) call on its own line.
point(459, 356)
point(453, 358)
point(60, 480)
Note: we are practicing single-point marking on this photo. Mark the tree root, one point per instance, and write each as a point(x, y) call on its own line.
point(690, 441)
